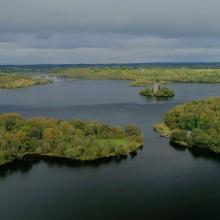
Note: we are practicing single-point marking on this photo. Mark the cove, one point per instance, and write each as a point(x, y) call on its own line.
point(160, 182)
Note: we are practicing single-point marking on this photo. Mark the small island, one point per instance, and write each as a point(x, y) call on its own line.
point(157, 91)
point(13, 81)
point(73, 139)
point(195, 124)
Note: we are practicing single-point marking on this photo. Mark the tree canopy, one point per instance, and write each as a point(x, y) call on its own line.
point(195, 124)
point(74, 139)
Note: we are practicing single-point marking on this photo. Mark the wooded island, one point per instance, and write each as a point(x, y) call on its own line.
point(157, 91)
point(73, 139)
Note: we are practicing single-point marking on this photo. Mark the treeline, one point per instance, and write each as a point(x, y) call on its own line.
point(73, 139)
point(142, 76)
point(195, 124)
point(11, 81)
point(138, 76)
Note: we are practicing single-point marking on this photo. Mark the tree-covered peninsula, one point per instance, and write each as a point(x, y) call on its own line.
point(12, 81)
point(141, 76)
point(72, 139)
point(157, 91)
point(195, 124)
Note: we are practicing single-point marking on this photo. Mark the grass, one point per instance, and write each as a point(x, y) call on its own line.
point(162, 129)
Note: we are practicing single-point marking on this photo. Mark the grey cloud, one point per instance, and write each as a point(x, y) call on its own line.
point(106, 31)
point(110, 41)
point(157, 17)
point(101, 55)
point(139, 49)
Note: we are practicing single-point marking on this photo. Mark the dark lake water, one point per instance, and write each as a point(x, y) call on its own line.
point(161, 182)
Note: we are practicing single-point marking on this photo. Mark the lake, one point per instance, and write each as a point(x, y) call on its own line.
point(160, 182)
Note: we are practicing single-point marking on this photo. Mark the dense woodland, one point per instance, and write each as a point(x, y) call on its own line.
point(194, 124)
point(72, 139)
point(11, 81)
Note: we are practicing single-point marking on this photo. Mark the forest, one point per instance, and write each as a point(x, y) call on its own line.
point(74, 139)
point(194, 124)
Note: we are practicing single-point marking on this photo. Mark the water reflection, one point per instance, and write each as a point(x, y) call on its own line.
point(27, 163)
point(160, 183)
point(206, 154)
point(197, 152)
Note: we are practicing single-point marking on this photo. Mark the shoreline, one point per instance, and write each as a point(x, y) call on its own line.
point(32, 157)
point(182, 145)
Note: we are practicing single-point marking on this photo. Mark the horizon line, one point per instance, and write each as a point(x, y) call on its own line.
point(129, 63)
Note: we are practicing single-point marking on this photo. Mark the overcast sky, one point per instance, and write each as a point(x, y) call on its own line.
point(108, 31)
